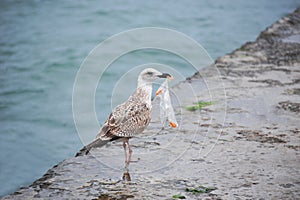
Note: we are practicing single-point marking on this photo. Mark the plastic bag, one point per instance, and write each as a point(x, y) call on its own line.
point(166, 110)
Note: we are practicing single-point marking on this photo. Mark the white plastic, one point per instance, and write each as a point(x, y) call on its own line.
point(166, 110)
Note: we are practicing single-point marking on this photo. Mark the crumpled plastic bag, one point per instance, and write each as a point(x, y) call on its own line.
point(166, 110)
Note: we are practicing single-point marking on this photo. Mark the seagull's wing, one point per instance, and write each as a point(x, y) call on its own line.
point(126, 120)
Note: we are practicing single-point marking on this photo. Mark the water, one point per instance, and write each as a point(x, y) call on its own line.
point(42, 44)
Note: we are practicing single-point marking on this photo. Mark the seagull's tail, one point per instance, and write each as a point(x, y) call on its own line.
point(97, 143)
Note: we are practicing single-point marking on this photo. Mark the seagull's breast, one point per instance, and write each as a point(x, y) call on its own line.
point(143, 95)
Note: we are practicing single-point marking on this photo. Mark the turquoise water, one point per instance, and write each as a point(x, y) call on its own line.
point(43, 43)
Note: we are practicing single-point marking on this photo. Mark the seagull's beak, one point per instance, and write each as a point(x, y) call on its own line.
point(165, 75)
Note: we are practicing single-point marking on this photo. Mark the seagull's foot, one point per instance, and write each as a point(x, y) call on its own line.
point(127, 162)
point(135, 161)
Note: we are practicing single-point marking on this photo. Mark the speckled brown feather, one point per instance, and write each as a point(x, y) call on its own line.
point(127, 119)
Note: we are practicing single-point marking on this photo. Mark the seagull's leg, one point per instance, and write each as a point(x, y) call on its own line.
point(124, 146)
point(129, 151)
point(127, 156)
point(126, 175)
point(125, 152)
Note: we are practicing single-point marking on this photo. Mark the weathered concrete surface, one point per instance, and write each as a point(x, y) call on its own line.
point(246, 145)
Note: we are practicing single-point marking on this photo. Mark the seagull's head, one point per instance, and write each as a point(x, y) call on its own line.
point(149, 75)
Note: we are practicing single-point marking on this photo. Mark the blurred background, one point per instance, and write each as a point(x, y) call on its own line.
point(43, 43)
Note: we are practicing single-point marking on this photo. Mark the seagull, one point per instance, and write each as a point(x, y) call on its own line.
point(129, 118)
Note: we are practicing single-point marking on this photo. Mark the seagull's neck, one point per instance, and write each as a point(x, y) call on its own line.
point(145, 90)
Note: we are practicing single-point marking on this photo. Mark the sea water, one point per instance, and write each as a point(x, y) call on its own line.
point(43, 43)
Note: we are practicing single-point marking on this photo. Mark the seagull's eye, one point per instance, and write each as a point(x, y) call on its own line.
point(149, 73)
